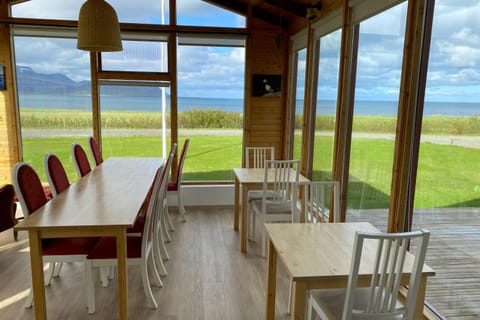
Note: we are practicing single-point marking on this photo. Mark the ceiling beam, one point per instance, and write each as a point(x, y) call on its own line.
point(296, 8)
point(241, 7)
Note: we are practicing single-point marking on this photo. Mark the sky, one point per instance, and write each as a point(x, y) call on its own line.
point(454, 71)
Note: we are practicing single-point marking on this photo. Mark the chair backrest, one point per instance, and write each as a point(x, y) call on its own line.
point(95, 151)
point(257, 156)
point(56, 175)
point(391, 249)
point(162, 196)
point(181, 162)
point(280, 185)
point(79, 156)
point(7, 207)
point(320, 197)
point(151, 199)
point(28, 188)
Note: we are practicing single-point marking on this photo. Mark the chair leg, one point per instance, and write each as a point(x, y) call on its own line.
point(264, 244)
point(181, 207)
point(166, 234)
point(29, 299)
point(146, 285)
point(58, 268)
point(253, 226)
point(153, 270)
point(290, 289)
point(90, 287)
point(104, 274)
point(169, 220)
point(309, 309)
point(50, 272)
point(15, 235)
point(157, 251)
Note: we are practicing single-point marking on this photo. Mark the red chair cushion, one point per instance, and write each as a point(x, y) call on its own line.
point(106, 248)
point(172, 186)
point(68, 246)
point(138, 226)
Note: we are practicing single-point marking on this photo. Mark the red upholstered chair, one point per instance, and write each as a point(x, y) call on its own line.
point(56, 175)
point(7, 209)
point(174, 187)
point(95, 151)
point(140, 250)
point(58, 181)
point(31, 196)
point(79, 156)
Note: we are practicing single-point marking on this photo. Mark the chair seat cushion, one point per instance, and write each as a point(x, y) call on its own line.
point(273, 208)
point(106, 248)
point(138, 226)
point(172, 186)
point(331, 302)
point(68, 246)
point(258, 195)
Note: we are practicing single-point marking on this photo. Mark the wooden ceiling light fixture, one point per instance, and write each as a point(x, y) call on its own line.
point(98, 27)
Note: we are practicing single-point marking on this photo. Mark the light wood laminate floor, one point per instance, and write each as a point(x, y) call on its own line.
point(208, 278)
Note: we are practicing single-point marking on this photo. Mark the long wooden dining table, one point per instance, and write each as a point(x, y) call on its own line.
point(319, 256)
point(105, 202)
point(249, 179)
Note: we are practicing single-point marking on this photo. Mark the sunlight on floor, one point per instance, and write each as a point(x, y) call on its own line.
point(13, 299)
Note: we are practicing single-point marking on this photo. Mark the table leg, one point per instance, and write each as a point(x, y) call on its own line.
point(271, 281)
point(418, 312)
point(122, 273)
point(299, 295)
point(36, 263)
point(236, 207)
point(244, 233)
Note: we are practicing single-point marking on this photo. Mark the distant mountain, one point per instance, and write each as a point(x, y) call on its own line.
point(31, 82)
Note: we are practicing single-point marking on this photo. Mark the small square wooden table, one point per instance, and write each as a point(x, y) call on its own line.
point(319, 256)
point(248, 179)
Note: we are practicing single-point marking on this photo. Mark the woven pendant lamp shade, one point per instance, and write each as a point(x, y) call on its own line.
point(98, 27)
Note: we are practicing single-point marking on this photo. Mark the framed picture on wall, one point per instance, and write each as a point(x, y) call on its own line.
point(266, 85)
point(3, 82)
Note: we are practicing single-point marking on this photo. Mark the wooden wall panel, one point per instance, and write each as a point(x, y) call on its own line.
point(9, 146)
point(265, 116)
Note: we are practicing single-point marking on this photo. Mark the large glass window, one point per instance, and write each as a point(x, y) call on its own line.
point(200, 13)
point(377, 86)
point(210, 109)
point(141, 56)
point(326, 102)
point(299, 65)
point(53, 81)
point(447, 195)
point(135, 120)
point(150, 11)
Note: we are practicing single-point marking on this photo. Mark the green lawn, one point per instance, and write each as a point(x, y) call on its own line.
point(448, 175)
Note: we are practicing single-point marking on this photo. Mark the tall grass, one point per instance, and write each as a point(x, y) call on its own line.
point(218, 119)
point(78, 119)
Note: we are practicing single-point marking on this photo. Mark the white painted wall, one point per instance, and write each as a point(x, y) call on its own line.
point(205, 195)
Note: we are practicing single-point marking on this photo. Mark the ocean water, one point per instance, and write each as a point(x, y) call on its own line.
point(324, 107)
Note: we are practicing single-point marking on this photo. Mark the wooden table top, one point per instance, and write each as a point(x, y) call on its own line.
point(254, 175)
point(322, 250)
point(109, 196)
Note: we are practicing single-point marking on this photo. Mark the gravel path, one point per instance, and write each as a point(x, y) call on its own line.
point(464, 141)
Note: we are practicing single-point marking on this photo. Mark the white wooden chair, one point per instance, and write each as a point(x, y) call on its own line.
point(140, 250)
point(320, 200)
point(279, 194)
point(255, 158)
point(175, 187)
point(380, 299)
